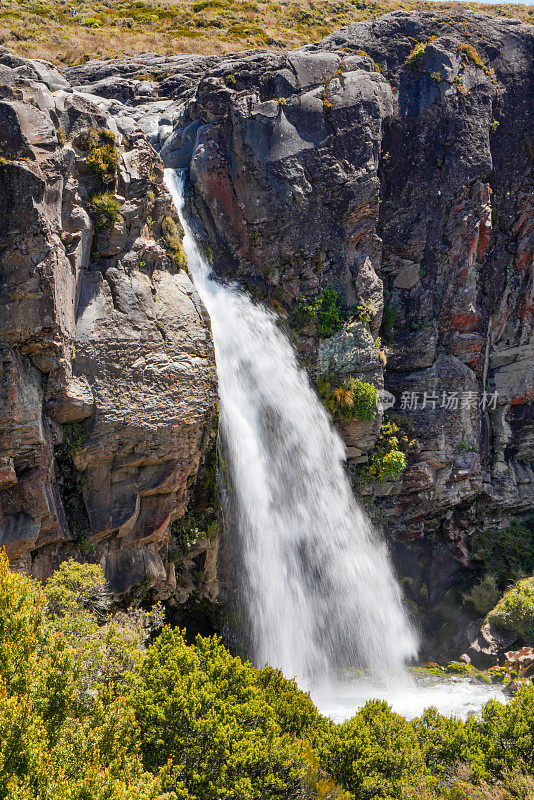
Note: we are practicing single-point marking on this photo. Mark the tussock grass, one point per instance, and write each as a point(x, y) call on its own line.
point(71, 32)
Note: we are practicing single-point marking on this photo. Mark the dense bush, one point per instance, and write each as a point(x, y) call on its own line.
point(104, 209)
point(108, 645)
point(353, 399)
point(57, 742)
point(103, 155)
point(387, 462)
point(515, 610)
point(374, 754)
point(508, 554)
point(195, 723)
point(205, 710)
point(325, 310)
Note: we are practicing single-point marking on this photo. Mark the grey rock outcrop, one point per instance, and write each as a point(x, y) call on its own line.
point(107, 370)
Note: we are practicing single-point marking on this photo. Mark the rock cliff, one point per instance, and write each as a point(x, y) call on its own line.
point(107, 378)
point(393, 160)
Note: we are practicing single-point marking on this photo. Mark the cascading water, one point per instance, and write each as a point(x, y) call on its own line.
point(318, 585)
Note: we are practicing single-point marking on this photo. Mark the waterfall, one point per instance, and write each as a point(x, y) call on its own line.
point(317, 581)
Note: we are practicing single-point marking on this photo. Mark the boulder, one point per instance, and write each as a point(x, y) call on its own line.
point(487, 649)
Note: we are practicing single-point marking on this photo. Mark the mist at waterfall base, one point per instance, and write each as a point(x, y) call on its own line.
point(322, 602)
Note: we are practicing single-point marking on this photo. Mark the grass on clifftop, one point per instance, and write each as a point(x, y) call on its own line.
point(72, 32)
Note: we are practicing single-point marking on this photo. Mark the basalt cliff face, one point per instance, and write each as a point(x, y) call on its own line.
point(107, 381)
point(393, 160)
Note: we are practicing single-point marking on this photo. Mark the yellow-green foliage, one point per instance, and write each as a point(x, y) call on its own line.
point(325, 311)
point(192, 722)
point(204, 709)
point(365, 312)
point(515, 610)
point(387, 461)
point(354, 398)
point(413, 61)
point(374, 754)
point(71, 587)
point(57, 743)
point(104, 209)
point(103, 155)
point(107, 645)
point(172, 235)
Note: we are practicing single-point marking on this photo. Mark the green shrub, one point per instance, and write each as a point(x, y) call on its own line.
point(387, 461)
point(387, 465)
point(375, 754)
point(294, 709)
point(515, 610)
point(204, 709)
point(413, 62)
point(84, 702)
point(364, 402)
point(107, 645)
point(325, 310)
point(56, 741)
point(365, 312)
point(483, 596)
point(71, 586)
point(355, 398)
point(503, 739)
point(104, 209)
point(103, 155)
point(442, 740)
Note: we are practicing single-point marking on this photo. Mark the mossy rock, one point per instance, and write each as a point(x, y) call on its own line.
point(515, 610)
point(172, 235)
point(458, 668)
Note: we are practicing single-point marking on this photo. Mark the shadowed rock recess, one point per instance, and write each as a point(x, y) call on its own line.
point(393, 161)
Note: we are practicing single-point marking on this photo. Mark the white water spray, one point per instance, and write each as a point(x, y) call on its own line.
point(318, 586)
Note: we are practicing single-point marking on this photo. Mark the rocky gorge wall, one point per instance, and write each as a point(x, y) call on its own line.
point(392, 161)
point(107, 383)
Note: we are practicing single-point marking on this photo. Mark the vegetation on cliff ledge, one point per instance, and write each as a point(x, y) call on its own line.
point(89, 709)
point(388, 461)
point(325, 311)
point(103, 154)
point(104, 209)
point(352, 399)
